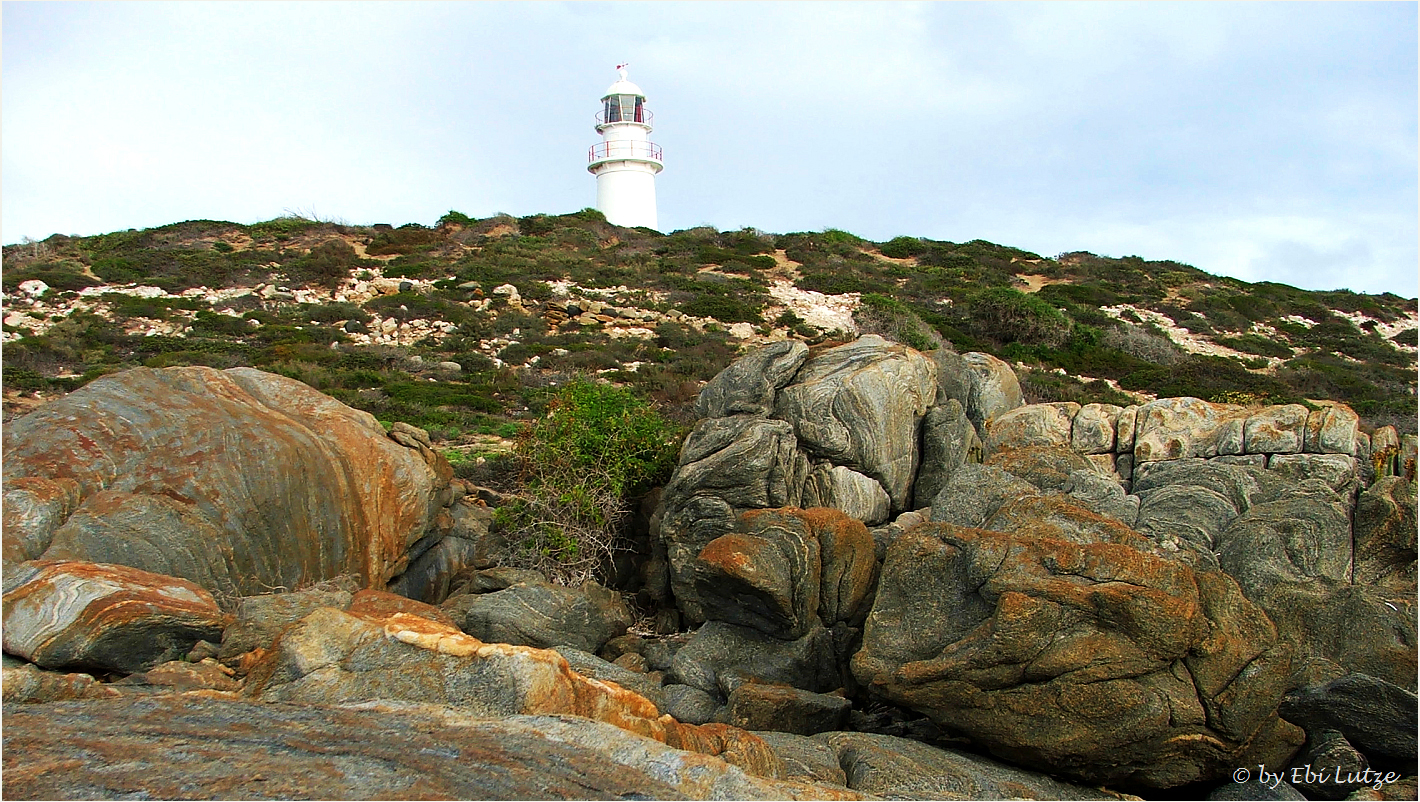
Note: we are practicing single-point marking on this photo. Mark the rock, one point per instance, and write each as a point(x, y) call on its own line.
point(1336, 629)
point(1033, 425)
point(748, 386)
point(1337, 471)
point(259, 619)
point(179, 676)
point(1175, 428)
point(372, 603)
point(897, 768)
point(633, 662)
point(1342, 767)
point(238, 480)
point(1105, 496)
point(34, 288)
point(186, 747)
point(994, 389)
point(1124, 430)
point(1097, 661)
point(33, 508)
point(1275, 430)
point(28, 683)
point(1047, 467)
point(948, 442)
point(690, 705)
point(1063, 518)
point(845, 489)
point(807, 759)
point(786, 572)
point(1384, 532)
point(859, 405)
point(1294, 540)
point(1092, 431)
point(1331, 430)
point(756, 706)
point(718, 648)
point(589, 665)
point(450, 367)
point(333, 658)
point(975, 493)
point(543, 615)
point(1375, 716)
point(60, 614)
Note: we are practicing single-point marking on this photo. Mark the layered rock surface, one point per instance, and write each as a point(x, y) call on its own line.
point(238, 480)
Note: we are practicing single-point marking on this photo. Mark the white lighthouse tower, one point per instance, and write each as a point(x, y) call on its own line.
point(626, 161)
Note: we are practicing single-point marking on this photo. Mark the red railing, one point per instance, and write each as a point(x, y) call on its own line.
point(624, 149)
point(642, 115)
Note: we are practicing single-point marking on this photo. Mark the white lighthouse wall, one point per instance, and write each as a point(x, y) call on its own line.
point(626, 193)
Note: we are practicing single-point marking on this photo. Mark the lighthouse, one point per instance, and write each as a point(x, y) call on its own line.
point(626, 161)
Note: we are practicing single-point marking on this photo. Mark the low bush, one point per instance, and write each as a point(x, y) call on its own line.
point(1007, 316)
point(594, 449)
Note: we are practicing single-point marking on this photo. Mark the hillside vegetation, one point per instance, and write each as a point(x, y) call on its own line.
point(463, 328)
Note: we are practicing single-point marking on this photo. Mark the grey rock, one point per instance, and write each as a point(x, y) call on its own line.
point(749, 384)
point(898, 768)
point(1338, 471)
point(259, 619)
point(845, 489)
point(994, 389)
point(1092, 430)
point(1032, 425)
point(974, 494)
point(1275, 430)
point(1177, 428)
point(28, 684)
point(1293, 540)
point(948, 441)
point(1343, 766)
point(756, 706)
point(1255, 789)
point(1104, 495)
point(1384, 531)
point(859, 405)
point(1375, 716)
point(1049, 468)
point(543, 615)
point(1331, 430)
point(689, 704)
point(716, 648)
point(805, 758)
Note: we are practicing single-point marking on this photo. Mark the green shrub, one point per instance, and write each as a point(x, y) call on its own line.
point(1256, 344)
point(594, 450)
point(1007, 316)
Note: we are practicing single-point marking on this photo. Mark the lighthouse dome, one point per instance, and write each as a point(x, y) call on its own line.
point(624, 87)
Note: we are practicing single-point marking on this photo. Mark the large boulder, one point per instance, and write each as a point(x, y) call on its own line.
point(949, 441)
point(1097, 661)
point(112, 618)
point(1174, 428)
point(720, 655)
point(1375, 716)
point(993, 391)
point(859, 405)
point(1032, 425)
point(237, 480)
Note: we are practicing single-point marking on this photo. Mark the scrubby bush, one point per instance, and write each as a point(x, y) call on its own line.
point(593, 451)
point(895, 321)
point(1007, 316)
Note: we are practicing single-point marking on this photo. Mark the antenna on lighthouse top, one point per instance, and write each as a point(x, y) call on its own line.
point(621, 70)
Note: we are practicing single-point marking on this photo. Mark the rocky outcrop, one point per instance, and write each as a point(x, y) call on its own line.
point(237, 480)
point(61, 614)
point(1097, 660)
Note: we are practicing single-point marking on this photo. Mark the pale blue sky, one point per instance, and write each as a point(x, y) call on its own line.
point(1269, 141)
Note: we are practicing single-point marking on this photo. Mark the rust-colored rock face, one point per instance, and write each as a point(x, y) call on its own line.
point(105, 617)
point(238, 480)
point(1097, 660)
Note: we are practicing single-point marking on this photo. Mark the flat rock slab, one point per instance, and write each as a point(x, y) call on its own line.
point(197, 748)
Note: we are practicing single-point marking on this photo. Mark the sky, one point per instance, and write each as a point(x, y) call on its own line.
point(1266, 141)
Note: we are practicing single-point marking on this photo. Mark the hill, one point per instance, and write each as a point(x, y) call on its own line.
point(459, 328)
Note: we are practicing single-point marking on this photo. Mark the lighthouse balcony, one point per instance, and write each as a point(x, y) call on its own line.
point(625, 149)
